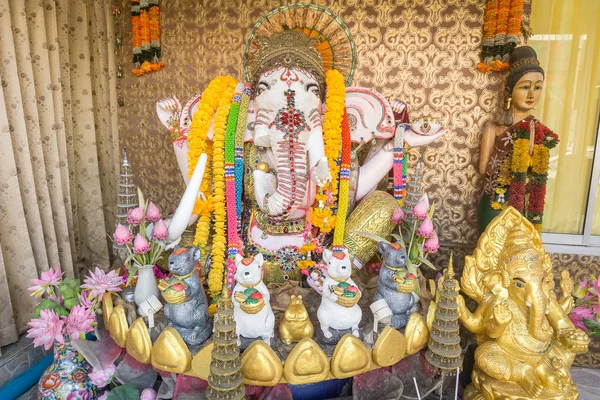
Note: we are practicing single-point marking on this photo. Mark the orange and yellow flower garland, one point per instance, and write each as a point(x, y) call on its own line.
point(321, 215)
point(501, 27)
point(145, 32)
point(340, 224)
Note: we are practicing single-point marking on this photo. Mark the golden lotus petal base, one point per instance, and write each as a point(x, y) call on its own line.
point(201, 362)
point(260, 365)
point(138, 343)
point(389, 348)
point(118, 326)
point(170, 353)
point(307, 363)
point(350, 357)
point(107, 307)
point(416, 333)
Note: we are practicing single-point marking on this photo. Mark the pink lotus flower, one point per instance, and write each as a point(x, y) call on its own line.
point(87, 300)
point(152, 213)
point(432, 244)
point(160, 231)
point(580, 290)
point(46, 329)
point(102, 376)
point(99, 282)
point(122, 235)
point(578, 314)
point(140, 245)
point(135, 216)
point(49, 278)
point(79, 321)
point(398, 215)
point(426, 228)
point(421, 208)
point(148, 394)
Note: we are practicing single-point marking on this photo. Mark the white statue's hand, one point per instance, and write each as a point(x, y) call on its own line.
point(415, 140)
point(168, 110)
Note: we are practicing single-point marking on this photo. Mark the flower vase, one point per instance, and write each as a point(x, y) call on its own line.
point(67, 377)
point(146, 286)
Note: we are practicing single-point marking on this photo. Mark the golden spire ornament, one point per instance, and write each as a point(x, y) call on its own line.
point(225, 377)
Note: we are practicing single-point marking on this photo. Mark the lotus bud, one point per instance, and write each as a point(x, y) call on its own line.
point(426, 228)
point(135, 216)
point(421, 208)
point(398, 215)
point(431, 244)
point(122, 235)
point(152, 213)
point(140, 245)
point(160, 231)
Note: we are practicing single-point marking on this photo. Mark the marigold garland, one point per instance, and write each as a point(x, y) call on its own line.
point(145, 33)
point(321, 216)
point(501, 27)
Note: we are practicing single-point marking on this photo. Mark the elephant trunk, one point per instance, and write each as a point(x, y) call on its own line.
point(538, 303)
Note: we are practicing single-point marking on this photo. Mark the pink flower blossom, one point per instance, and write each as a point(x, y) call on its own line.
point(432, 244)
point(578, 314)
point(99, 282)
point(122, 235)
point(102, 376)
point(159, 273)
point(135, 216)
point(140, 245)
point(398, 215)
point(148, 394)
point(421, 208)
point(46, 329)
point(160, 231)
point(79, 321)
point(87, 300)
point(49, 278)
point(152, 213)
point(426, 228)
point(580, 290)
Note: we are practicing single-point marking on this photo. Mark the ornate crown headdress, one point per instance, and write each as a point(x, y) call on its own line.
point(288, 48)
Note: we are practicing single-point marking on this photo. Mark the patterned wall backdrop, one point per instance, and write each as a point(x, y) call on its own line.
point(423, 52)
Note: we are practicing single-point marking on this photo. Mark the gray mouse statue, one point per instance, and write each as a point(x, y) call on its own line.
point(187, 306)
point(396, 285)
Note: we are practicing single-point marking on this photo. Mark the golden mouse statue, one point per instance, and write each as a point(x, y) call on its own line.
point(527, 342)
point(295, 325)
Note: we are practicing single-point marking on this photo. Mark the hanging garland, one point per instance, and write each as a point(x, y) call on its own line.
point(233, 240)
point(398, 168)
point(240, 134)
point(145, 33)
point(501, 27)
point(521, 169)
point(321, 215)
point(340, 223)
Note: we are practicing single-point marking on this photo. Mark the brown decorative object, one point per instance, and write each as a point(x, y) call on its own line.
point(444, 353)
point(225, 377)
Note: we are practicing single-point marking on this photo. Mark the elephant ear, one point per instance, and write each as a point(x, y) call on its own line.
point(471, 281)
point(369, 113)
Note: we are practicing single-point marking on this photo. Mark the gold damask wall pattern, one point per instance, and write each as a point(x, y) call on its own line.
point(423, 52)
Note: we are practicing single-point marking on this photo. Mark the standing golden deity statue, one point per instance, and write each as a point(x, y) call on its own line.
point(527, 342)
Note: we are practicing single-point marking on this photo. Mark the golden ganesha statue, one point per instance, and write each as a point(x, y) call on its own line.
point(527, 342)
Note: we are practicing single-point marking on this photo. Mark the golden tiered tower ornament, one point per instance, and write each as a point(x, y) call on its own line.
point(126, 200)
point(414, 190)
point(444, 353)
point(225, 377)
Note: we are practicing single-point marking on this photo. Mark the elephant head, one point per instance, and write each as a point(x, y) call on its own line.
point(287, 122)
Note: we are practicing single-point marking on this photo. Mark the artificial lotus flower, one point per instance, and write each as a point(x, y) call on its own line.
point(426, 228)
point(79, 321)
point(432, 244)
point(122, 235)
point(398, 215)
point(140, 245)
point(421, 208)
point(135, 216)
point(49, 278)
point(99, 282)
point(87, 300)
point(148, 394)
point(46, 329)
point(580, 290)
point(578, 314)
point(160, 231)
point(102, 376)
point(152, 213)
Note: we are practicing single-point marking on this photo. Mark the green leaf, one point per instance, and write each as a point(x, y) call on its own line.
point(370, 236)
point(428, 263)
point(49, 304)
point(125, 392)
point(69, 289)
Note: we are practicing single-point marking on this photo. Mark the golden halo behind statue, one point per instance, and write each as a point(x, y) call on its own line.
point(332, 36)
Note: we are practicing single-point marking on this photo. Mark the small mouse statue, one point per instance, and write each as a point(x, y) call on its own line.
point(396, 285)
point(339, 308)
point(296, 324)
point(251, 308)
point(187, 307)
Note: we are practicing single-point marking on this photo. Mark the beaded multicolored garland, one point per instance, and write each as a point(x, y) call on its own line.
point(239, 152)
point(233, 240)
point(344, 192)
point(398, 170)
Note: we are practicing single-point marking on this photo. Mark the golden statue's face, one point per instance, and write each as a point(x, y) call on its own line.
point(527, 91)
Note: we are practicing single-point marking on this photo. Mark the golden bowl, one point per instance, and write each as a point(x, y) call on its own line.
point(348, 301)
point(252, 308)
